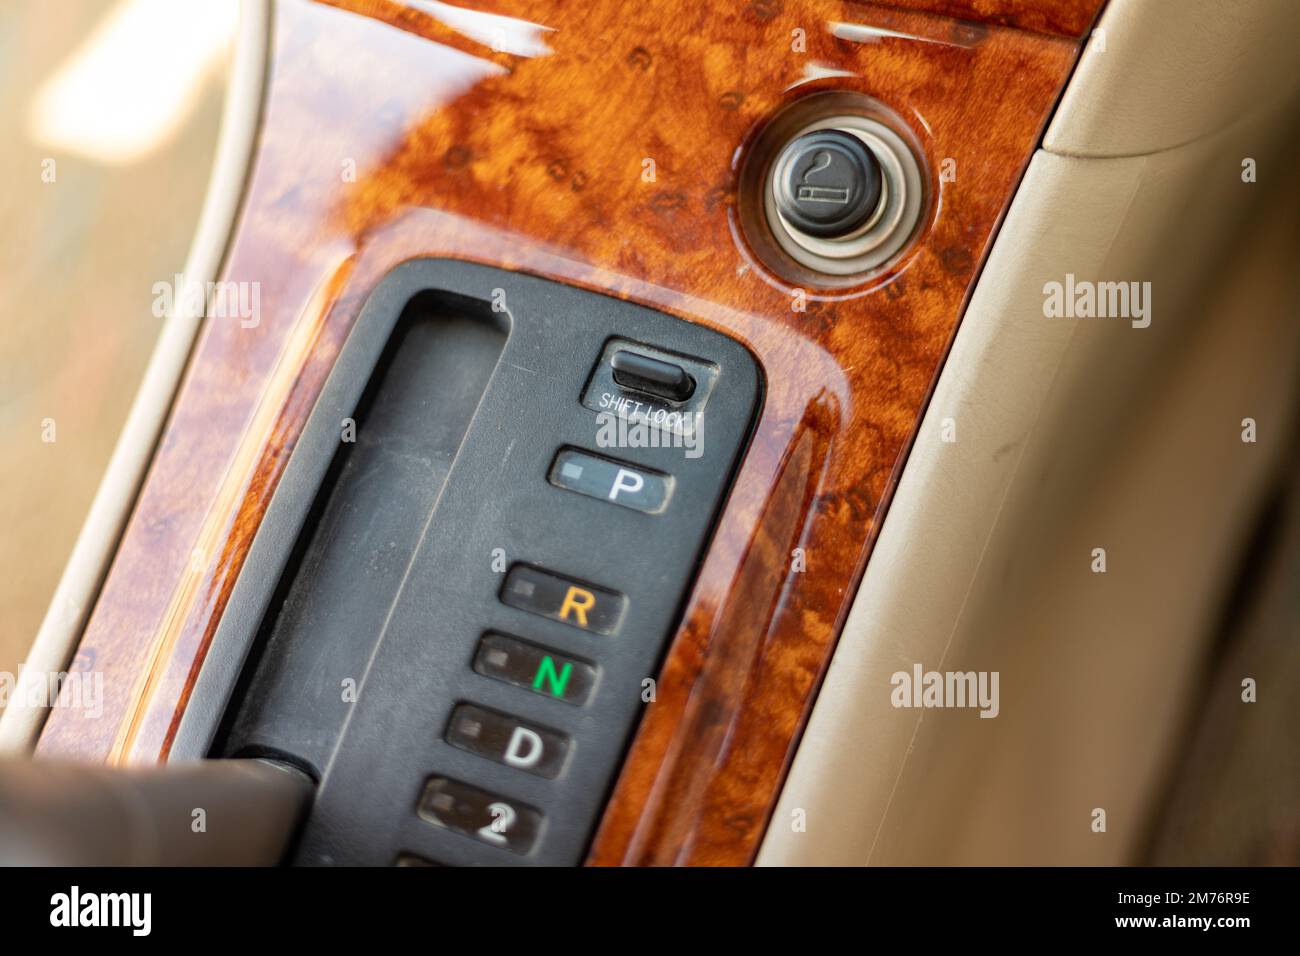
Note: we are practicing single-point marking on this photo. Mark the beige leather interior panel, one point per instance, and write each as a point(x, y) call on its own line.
point(1159, 73)
point(1071, 435)
point(21, 721)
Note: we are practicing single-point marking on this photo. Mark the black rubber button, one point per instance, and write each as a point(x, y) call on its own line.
point(652, 375)
point(827, 183)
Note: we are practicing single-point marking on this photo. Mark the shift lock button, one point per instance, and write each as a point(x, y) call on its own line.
point(654, 376)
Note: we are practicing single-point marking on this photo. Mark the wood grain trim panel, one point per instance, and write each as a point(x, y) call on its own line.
point(386, 138)
point(1066, 18)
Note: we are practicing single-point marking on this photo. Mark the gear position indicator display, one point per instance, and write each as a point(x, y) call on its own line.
point(614, 481)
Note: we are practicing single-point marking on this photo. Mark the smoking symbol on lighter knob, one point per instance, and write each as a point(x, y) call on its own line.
point(828, 183)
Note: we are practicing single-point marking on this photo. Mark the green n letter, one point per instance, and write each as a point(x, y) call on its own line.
point(546, 673)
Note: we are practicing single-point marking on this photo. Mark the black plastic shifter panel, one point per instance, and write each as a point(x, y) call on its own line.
point(453, 618)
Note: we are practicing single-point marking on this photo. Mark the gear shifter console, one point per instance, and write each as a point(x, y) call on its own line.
point(454, 611)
